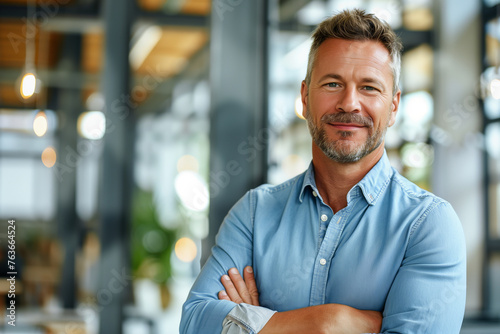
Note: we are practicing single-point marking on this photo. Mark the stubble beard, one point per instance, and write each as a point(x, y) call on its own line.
point(344, 150)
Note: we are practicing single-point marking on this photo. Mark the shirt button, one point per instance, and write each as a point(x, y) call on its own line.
point(324, 218)
point(322, 262)
point(315, 194)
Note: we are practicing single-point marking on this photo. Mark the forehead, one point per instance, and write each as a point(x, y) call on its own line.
point(362, 56)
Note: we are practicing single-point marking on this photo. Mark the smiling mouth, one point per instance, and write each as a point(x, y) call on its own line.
point(347, 126)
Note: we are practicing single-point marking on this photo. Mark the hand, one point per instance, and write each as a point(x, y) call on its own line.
point(239, 290)
point(327, 318)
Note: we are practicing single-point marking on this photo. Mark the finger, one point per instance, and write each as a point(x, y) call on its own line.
point(231, 289)
point(240, 285)
point(251, 285)
point(223, 295)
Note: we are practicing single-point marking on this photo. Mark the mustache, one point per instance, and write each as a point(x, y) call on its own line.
point(347, 117)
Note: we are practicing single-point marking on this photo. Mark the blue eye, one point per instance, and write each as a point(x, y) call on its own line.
point(332, 84)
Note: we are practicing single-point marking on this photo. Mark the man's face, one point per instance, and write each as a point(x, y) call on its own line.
point(349, 103)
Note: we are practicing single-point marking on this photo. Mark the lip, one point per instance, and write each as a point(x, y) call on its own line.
point(347, 126)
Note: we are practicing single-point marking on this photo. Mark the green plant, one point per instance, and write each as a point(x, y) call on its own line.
point(152, 244)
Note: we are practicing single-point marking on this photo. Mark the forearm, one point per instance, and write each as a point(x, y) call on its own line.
point(328, 318)
point(208, 315)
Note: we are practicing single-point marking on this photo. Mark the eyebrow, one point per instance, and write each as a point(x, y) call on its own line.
point(363, 80)
point(330, 76)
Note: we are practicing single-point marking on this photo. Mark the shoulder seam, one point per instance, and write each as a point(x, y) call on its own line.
point(398, 178)
point(435, 203)
point(252, 208)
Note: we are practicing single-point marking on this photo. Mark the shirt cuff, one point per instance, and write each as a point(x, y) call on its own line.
point(246, 319)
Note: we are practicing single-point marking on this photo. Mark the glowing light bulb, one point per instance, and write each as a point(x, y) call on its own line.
point(28, 85)
point(40, 124)
point(185, 249)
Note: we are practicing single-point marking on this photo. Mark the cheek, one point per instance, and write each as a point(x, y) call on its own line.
point(322, 104)
point(380, 112)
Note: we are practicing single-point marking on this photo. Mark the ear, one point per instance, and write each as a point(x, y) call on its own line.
point(304, 97)
point(394, 108)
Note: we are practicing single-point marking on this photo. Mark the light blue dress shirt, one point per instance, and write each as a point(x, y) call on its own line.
point(394, 248)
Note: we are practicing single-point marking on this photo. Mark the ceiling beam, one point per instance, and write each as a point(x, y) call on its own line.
point(57, 17)
point(51, 9)
point(197, 66)
point(54, 78)
point(179, 20)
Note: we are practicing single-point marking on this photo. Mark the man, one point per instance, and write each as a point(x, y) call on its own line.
point(349, 246)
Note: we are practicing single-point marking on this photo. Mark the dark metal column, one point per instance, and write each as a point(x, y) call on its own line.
point(69, 107)
point(238, 131)
point(116, 176)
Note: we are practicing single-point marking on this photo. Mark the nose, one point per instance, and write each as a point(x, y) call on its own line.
point(349, 100)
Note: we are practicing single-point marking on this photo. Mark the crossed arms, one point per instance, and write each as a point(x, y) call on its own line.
point(426, 294)
point(327, 318)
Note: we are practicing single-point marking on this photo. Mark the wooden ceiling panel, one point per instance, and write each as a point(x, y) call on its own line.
point(92, 52)
point(167, 58)
point(165, 66)
point(198, 7)
point(151, 5)
point(9, 96)
point(13, 45)
point(173, 50)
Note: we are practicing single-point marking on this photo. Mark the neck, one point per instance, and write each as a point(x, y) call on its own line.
point(334, 179)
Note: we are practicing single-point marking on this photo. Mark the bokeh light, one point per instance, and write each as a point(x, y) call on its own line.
point(92, 125)
point(417, 155)
point(192, 190)
point(495, 88)
point(49, 157)
point(185, 249)
point(28, 85)
point(40, 124)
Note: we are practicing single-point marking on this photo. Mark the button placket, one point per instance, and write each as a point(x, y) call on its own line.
point(326, 252)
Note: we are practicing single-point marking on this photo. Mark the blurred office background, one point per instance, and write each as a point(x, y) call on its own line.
point(128, 128)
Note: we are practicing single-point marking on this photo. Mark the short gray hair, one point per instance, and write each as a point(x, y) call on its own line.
point(357, 25)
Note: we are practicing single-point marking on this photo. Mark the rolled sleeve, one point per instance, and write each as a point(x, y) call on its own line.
point(246, 319)
point(203, 309)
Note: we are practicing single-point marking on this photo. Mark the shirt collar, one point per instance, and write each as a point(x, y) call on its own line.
point(375, 182)
point(308, 182)
point(371, 186)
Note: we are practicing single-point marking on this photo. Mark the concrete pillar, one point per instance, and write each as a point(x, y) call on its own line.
point(116, 176)
point(457, 169)
point(238, 81)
